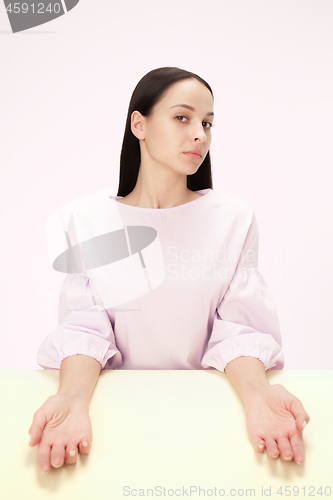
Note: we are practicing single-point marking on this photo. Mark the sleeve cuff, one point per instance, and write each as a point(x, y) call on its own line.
point(54, 349)
point(257, 345)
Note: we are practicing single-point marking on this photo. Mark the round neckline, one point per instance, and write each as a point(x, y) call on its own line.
point(204, 193)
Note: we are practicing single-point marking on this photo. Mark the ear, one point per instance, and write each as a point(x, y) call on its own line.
point(137, 124)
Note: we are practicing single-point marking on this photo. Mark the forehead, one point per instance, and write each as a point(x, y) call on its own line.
point(189, 91)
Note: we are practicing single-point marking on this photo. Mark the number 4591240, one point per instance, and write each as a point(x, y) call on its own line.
point(40, 8)
point(286, 490)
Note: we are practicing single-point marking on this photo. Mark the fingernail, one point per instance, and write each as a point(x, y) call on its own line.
point(299, 463)
point(72, 453)
point(261, 446)
point(304, 424)
point(29, 438)
point(84, 443)
point(44, 472)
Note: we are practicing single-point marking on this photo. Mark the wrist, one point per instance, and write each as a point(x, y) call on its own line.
point(77, 399)
point(254, 389)
point(248, 376)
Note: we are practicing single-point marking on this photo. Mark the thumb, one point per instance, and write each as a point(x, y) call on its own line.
point(301, 416)
point(37, 427)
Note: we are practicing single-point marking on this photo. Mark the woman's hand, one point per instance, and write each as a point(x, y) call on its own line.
point(59, 427)
point(275, 420)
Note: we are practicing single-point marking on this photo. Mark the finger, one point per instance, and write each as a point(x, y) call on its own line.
point(44, 457)
point(37, 427)
point(301, 425)
point(272, 448)
point(284, 446)
point(71, 454)
point(301, 416)
point(57, 455)
point(258, 443)
point(297, 445)
point(85, 446)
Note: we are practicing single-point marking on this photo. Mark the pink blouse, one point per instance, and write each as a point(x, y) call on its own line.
point(196, 299)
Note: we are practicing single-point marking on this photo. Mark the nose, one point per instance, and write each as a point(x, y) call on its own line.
point(198, 132)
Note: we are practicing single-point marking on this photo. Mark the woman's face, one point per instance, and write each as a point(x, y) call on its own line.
point(180, 122)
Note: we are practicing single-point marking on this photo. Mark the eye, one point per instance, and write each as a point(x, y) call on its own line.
point(181, 117)
point(208, 123)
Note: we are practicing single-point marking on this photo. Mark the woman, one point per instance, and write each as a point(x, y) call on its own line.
point(227, 322)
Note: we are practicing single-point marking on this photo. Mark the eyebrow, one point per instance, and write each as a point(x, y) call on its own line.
point(188, 107)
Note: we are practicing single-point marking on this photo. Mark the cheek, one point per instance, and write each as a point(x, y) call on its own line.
point(209, 141)
point(165, 138)
point(158, 143)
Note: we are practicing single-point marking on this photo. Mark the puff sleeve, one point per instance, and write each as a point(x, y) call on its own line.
point(245, 322)
point(84, 327)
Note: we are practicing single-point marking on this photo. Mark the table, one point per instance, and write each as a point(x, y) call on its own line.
point(165, 433)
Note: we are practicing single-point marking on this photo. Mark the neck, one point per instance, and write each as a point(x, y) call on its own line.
point(160, 191)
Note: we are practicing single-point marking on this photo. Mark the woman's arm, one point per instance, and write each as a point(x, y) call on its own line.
point(275, 418)
point(247, 374)
point(78, 376)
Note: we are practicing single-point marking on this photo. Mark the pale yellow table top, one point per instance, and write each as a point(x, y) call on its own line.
point(166, 431)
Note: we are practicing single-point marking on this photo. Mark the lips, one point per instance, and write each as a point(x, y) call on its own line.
point(194, 153)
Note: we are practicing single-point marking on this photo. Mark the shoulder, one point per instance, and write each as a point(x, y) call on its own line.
point(232, 206)
point(93, 216)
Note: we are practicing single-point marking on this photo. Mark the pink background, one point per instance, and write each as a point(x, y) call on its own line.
point(65, 90)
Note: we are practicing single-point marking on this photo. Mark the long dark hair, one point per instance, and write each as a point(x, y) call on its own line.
point(146, 94)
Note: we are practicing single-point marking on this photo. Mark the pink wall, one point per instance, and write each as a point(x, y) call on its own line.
point(64, 96)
